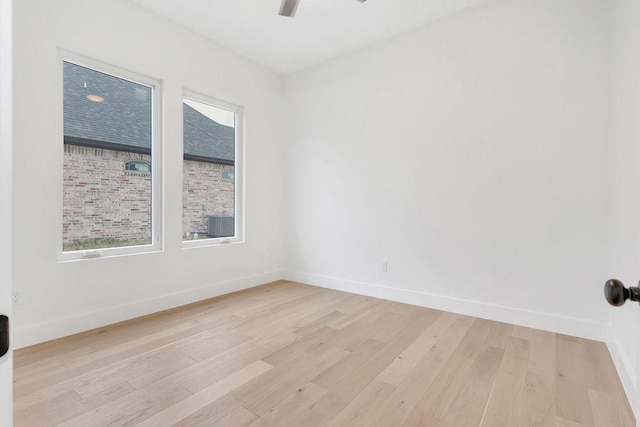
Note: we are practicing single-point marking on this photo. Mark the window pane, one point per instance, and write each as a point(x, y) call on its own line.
point(209, 171)
point(107, 195)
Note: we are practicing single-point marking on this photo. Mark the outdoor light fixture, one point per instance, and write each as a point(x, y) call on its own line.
point(95, 98)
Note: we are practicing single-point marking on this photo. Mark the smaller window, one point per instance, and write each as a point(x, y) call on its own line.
point(137, 166)
point(212, 171)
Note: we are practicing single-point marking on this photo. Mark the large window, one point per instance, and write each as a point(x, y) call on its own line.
point(212, 171)
point(111, 195)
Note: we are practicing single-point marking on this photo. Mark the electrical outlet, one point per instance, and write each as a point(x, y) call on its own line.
point(383, 266)
point(16, 297)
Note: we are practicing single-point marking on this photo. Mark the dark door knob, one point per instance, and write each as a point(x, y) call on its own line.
point(616, 294)
point(4, 335)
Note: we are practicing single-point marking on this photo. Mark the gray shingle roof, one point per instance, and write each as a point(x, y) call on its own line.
point(124, 117)
point(205, 137)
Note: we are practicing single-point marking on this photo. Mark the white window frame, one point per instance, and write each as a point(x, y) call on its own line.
point(238, 170)
point(157, 211)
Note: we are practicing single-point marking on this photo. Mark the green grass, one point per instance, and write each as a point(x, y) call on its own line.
point(88, 244)
point(191, 236)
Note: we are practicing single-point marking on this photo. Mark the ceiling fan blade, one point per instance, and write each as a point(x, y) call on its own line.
point(288, 8)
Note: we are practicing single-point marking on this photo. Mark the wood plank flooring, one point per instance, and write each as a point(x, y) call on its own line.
point(286, 354)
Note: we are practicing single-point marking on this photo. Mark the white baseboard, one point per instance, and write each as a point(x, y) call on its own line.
point(532, 319)
point(35, 334)
point(627, 374)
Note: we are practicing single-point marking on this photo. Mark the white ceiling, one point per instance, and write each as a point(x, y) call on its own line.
point(321, 29)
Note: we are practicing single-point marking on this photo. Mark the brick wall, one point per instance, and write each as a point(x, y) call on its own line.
point(103, 201)
point(207, 191)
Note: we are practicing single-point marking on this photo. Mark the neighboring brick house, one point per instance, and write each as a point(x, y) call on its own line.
point(107, 162)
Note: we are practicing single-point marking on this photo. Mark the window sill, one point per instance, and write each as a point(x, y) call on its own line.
point(96, 254)
point(214, 241)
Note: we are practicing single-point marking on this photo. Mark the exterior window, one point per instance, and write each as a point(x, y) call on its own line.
point(110, 119)
point(138, 166)
point(212, 147)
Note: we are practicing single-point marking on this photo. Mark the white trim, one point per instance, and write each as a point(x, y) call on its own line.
point(35, 334)
point(238, 171)
point(626, 372)
point(6, 203)
point(532, 319)
point(157, 175)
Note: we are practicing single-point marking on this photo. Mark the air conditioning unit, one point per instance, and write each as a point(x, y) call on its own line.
point(220, 226)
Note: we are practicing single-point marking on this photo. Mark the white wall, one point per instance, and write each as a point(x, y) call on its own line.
point(470, 155)
point(62, 298)
point(624, 161)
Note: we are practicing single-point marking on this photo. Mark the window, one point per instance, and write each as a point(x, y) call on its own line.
point(212, 168)
point(137, 166)
point(110, 180)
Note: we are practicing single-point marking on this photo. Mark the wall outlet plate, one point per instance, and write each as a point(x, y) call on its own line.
point(16, 297)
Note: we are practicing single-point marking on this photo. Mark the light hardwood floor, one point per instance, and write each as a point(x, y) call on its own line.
point(286, 354)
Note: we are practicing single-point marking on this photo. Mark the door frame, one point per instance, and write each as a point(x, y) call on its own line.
point(6, 205)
